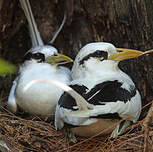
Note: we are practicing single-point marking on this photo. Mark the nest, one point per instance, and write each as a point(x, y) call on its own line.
point(26, 133)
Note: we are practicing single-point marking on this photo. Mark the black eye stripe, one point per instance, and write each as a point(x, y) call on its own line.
point(37, 56)
point(97, 54)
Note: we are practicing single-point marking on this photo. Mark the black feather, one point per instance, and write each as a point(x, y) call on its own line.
point(67, 101)
point(38, 56)
point(108, 91)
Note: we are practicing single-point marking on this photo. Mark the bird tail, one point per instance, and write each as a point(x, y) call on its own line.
point(59, 29)
point(34, 33)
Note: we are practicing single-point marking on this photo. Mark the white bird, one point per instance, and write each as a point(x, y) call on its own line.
point(41, 98)
point(110, 92)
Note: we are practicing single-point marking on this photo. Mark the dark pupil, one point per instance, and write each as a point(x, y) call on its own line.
point(36, 56)
point(96, 54)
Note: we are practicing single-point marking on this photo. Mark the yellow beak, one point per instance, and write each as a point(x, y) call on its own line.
point(125, 54)
point(58, 59)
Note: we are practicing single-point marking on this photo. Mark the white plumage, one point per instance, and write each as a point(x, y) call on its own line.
point(110, 92)
point(40, 98)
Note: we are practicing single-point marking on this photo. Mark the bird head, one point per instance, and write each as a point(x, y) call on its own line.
point(99, 51)
point(101, 55)
point(46, 53)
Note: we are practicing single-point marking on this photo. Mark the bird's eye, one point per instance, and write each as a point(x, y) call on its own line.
point(39, 56)
point(98, 52)
point(36, 55)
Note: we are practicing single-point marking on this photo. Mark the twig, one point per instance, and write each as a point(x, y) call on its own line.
point(146, 123)
point(147, 52)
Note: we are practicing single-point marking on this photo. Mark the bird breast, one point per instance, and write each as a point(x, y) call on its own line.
point(41, 97)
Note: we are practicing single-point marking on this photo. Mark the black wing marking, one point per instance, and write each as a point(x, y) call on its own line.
point(109, 91)
point(67, 101)
point(100, 94)
point(108, 116)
